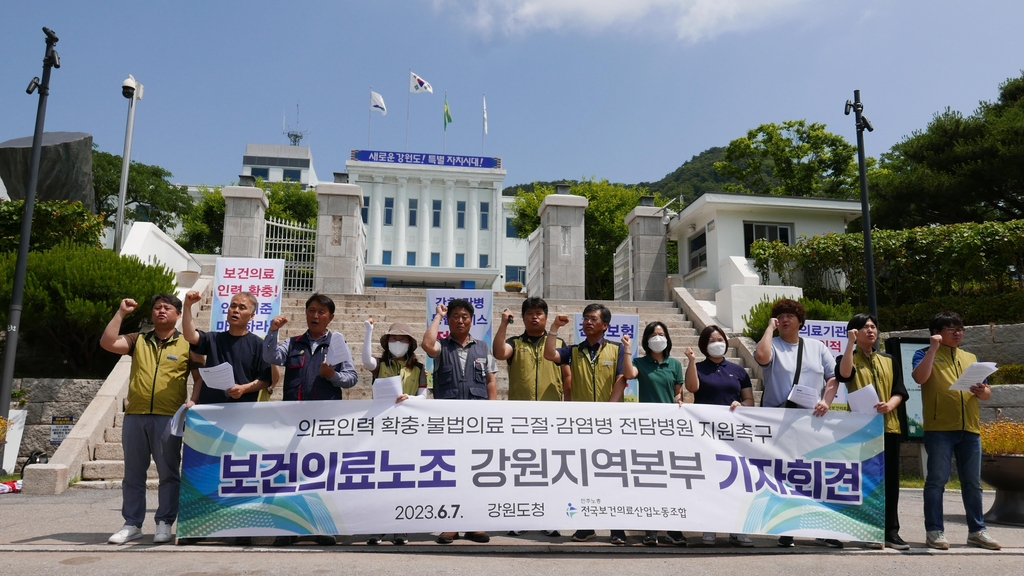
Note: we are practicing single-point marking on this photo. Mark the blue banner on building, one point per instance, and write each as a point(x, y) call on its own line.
point(426, 159)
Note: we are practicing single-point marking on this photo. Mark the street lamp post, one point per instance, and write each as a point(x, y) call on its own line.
point(865, 209)
point(50, 60)
point(132, 90)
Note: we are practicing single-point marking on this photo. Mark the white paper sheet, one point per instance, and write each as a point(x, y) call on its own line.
point(221, 376)
point(178, 422)
point(336, 351)
point(387, 389)
point(15, 430)
point(804, 396)
point(863, 400)
point(974, 374)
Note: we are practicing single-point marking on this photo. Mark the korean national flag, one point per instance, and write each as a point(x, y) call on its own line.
point(418, 85)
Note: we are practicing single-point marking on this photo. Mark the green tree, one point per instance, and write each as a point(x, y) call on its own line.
point(288, 201)
point(694, 178)
point(604, 225)
point(958, 169)
point(150, 197)
point(791, 159)
point(203, 227)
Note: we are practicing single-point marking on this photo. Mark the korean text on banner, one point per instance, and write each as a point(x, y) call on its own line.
point(833, 335)
point(261, 277)
point(620, 324)
point(482, 301)
point(356, 467)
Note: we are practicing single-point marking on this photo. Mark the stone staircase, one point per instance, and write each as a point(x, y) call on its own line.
point(389, 305)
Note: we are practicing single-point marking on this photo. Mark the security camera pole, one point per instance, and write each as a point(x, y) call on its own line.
point(865, 208)
point(50, 60)
point(132, 90)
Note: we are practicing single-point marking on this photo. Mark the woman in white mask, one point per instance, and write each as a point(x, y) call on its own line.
point(717, 381)
point(661, 379)
point(398, 359)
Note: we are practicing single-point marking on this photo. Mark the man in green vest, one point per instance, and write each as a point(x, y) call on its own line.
point(530, 375)
point(597, 372)
point(156, 389)
point(952, 426)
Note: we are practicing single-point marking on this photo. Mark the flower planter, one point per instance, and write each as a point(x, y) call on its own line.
point(1005, 473)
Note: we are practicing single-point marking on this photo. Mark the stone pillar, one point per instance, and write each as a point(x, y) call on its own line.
point(473, 225)
point(448, 225)
point(244, 224)
point(400, 219)
point(376, 219)
point(561, 223)
point(424, 222)
point(649, 253)
point(340, 239)
point(497, 232)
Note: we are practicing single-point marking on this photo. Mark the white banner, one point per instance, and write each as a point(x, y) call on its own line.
point(350, 467)
point(262, 277)
point(620, 324)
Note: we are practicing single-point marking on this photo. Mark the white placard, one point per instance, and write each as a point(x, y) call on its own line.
point(387, 389)
point(973, 374)
point(220, 377)
point(863, 400)
point(262, 277)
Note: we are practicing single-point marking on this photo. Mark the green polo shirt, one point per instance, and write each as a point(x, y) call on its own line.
point(658, 380)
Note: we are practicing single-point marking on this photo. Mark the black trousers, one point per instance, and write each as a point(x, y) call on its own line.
point(892, 484)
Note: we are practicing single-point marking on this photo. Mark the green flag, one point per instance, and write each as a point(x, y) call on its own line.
point(447, 113)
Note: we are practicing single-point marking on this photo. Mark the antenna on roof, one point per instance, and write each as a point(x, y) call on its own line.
point(294, 134)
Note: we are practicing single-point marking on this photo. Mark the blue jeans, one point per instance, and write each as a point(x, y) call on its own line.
point(941, 447)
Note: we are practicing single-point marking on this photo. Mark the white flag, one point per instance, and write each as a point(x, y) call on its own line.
point(485, 113)
point(418, 85)
point(377, 103)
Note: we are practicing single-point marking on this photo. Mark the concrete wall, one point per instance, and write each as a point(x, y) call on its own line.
point(153, 246)
point(48, 397)
point(1002, 344)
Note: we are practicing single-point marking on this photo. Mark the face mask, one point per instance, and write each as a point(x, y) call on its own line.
point(657, 343)
point(398, 349)
point(716, 349)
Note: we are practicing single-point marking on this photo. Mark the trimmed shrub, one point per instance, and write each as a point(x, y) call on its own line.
point(761, 313)
point(71, 292)
point(975, 310)
point(52, 222)
point(1008, 374)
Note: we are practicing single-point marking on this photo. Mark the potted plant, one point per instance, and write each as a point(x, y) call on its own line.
point(513, 286)
point(1002, 467)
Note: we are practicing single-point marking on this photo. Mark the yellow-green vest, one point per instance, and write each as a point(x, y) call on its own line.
point(530, 376)
point(592, 381)
point(410, 376)
point(876, 370)
point(157, 381)
point(944, 409)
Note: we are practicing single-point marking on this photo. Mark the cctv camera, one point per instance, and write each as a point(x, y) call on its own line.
point(128, 87)
point(32, 85)
point(867, 124)
point(849, 106)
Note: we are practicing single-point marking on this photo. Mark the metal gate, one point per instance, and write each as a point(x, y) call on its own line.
point(296, 245)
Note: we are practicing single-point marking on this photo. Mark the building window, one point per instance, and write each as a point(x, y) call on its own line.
point(460, 214)
point(515, 274)
point(510, 230)
point(436, 204)
point(484, 260)
point(485, 215)
point(699, 251)
point(414, 204)
point(766, 230)
point(385, 259)
point(366, 209)
point(460, 260)
point(389, 211)
point(410, 258)
point(292, 175)
point(261, 173)
point(435, 259)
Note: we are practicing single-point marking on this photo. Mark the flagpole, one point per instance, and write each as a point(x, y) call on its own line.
point(408, 102)
point(444, 145)
point(483, 131)
point(369, 118)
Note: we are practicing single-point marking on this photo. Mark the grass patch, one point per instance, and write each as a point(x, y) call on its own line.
point(10, 477)
point(912, 480)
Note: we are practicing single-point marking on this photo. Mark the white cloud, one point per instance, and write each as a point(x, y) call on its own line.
point(690, 20)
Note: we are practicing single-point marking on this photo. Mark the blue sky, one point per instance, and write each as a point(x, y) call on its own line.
point(624, 90)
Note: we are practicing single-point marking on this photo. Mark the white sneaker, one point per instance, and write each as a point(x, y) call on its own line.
point(936, 539)
point(126, 534)
point(163, 533)
point(983, 540)
point(740, 540)
point(708, 539)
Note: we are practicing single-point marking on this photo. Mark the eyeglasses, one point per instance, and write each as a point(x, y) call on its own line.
point(953, 330)
point(591, 319)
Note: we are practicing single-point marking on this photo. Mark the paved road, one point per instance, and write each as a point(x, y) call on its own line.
point(66, 534)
